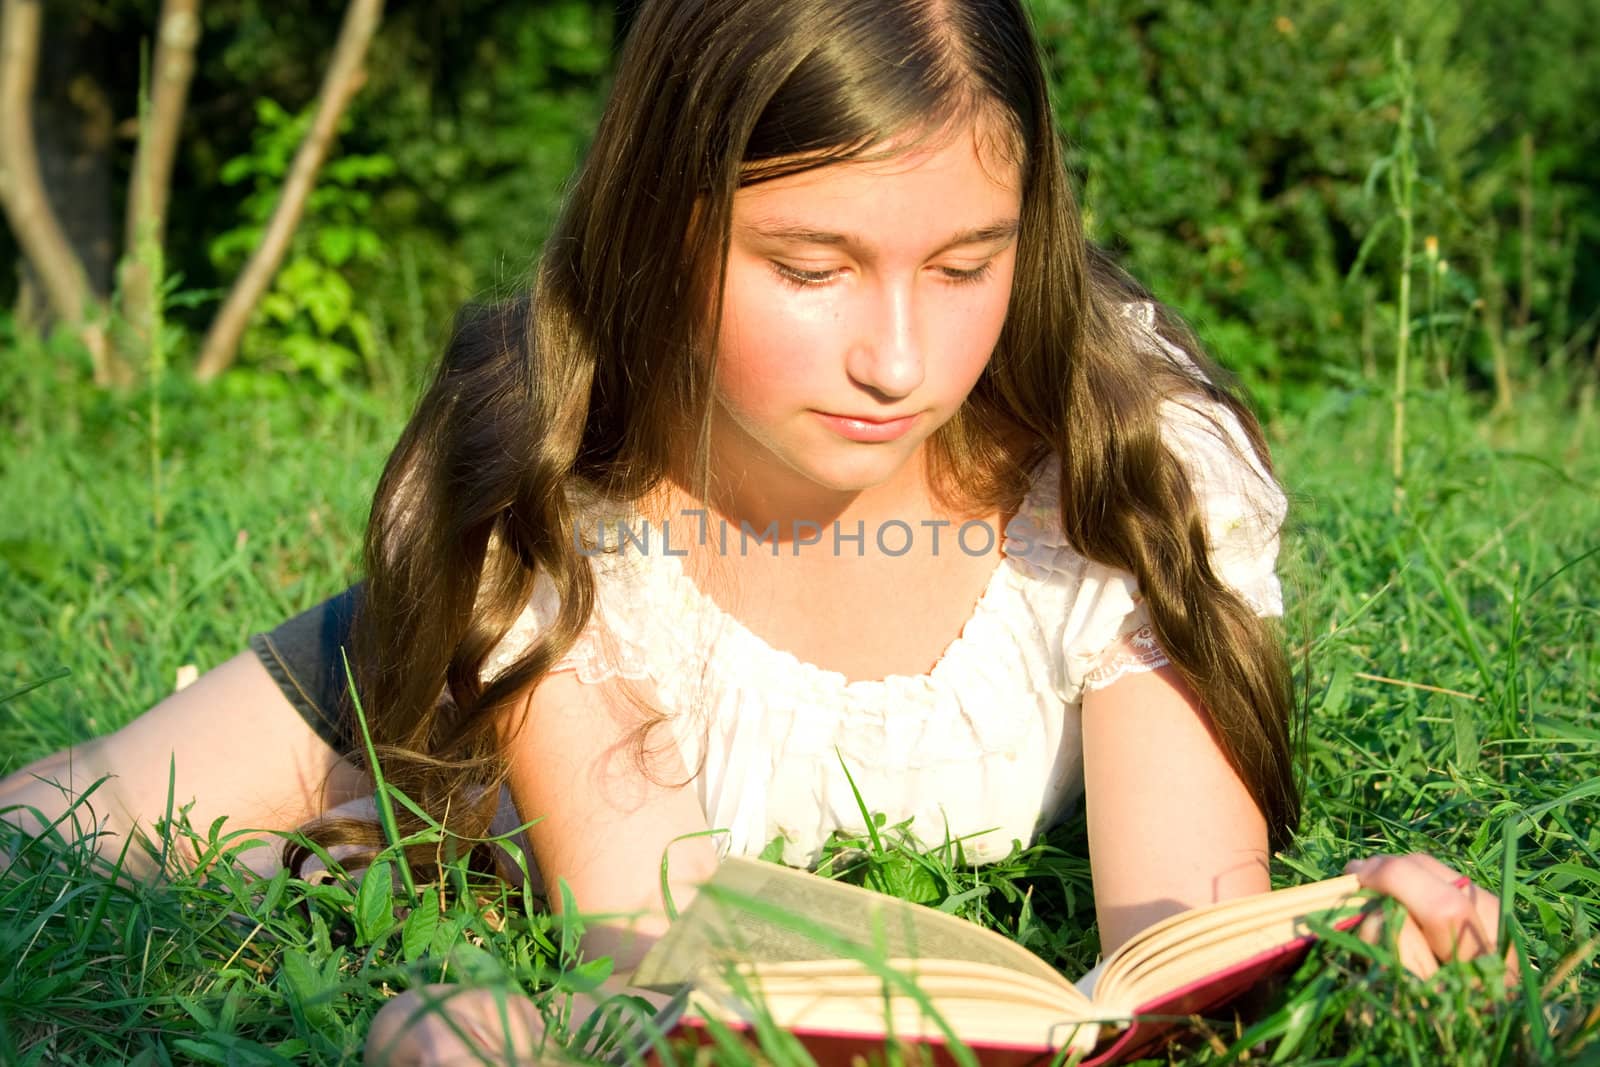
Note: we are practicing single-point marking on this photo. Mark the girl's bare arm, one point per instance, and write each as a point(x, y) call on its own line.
point(236, 746)
point(604, 821)
point(602, 828)
point(1171, 826)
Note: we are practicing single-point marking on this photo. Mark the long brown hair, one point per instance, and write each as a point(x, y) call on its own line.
point(579, 388)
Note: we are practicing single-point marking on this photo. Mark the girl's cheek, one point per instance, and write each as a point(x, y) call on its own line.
point(966, 334)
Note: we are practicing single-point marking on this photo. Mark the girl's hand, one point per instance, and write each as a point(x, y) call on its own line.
point(1443, 921)
point(451, 1026)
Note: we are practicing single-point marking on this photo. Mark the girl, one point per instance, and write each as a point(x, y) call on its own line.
point(823, 440)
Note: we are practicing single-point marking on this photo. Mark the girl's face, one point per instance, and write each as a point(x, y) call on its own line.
point(874, 290)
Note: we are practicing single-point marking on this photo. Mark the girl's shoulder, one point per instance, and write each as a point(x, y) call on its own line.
point(1240, 501)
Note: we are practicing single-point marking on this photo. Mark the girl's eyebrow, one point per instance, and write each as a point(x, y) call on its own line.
point(779, 229)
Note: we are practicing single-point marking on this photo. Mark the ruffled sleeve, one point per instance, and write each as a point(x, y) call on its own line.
point(1243, 507)
point(593, 658)
point(1243, 510)
point(1093, 615)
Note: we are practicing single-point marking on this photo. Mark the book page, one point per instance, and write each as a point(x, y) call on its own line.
point(1189, 946)
point(713, 930)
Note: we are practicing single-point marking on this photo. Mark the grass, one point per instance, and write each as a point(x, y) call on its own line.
point(1447, 659)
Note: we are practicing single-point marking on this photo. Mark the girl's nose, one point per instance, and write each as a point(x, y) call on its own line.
point(887, 356)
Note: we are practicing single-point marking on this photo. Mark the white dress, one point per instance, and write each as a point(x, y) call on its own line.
point(985, 747)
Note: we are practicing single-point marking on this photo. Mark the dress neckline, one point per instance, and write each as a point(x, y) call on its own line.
point(752, 646)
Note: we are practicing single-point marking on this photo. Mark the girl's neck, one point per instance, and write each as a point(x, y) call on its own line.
point(737, 495)
point(787, 501)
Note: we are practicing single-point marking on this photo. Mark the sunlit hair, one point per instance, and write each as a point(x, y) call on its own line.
point(581, 389)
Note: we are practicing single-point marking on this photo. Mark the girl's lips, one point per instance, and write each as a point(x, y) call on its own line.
point(858, 429)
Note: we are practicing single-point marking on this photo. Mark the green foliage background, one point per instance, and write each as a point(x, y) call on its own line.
point(1223, 151)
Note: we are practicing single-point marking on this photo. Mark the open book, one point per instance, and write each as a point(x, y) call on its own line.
point(842, 967)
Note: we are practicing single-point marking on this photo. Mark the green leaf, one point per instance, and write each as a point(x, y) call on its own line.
point(445, 935)
point(300, 276)
point(1466, 736)
point(37, 560)
point(773, 852)
point(1337, 698)
point(369, 246)
point(309, 986)
point(278, 308)
point(587, 976)
point(270, 113)
point(329, 302)
point(366, 339)
point(473, 964)
point(323, 359)
point(956, 901)
point(14, 692)
point(204, 1051)
point(420, 926)
point(1300, 1017)
point(336, 244)
point(375, 903)
point(274, 891)
point(912, 881)
point(197, 1012)
point(236, 170)
point(1559, 877)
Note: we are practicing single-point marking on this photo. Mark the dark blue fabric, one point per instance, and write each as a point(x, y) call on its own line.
point(305, 656)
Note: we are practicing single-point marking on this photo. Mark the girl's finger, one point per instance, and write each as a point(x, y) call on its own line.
point(1410, 947)
point(1453, 922)
point(1434, 864)
point(1485, 903)
point(1415, 952)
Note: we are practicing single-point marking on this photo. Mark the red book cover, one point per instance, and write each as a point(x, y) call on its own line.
point(1268, 931)
point(1155, 1021)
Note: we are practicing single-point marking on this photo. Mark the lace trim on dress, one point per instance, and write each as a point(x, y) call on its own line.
point(596, 656)
point(1133, 654)
point(594, 665)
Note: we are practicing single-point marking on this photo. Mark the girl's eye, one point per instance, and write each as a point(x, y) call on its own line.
point(967, 277)
point(802, 279)
point(806, 279)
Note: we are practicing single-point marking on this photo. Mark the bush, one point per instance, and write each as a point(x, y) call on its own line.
point(1224, 151)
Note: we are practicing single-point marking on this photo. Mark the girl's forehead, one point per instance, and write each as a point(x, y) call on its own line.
point(988, 124)
point(969, 160)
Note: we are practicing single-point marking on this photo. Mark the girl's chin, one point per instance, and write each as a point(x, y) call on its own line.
point(818, 455)
point(867, 468)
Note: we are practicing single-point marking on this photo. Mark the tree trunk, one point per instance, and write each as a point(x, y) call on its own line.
point(23, 197)
point(74, 133)
point(150, 184)
point(343, 79)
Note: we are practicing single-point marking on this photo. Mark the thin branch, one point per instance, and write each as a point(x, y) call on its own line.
point(344, 78)
point(150, 185)
point(170, 73)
